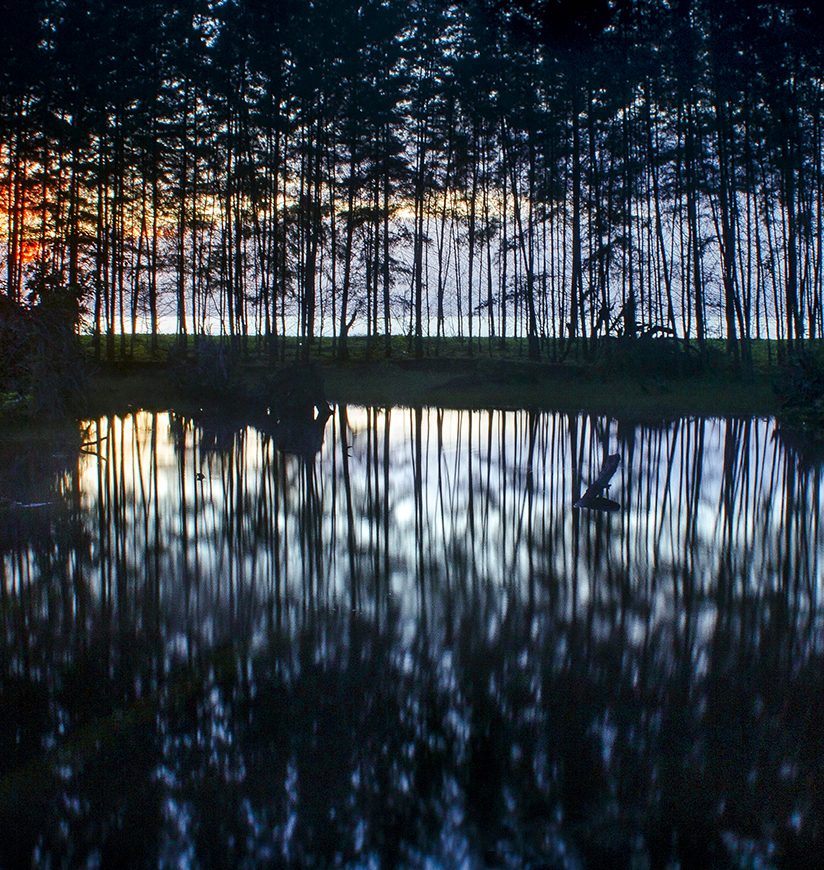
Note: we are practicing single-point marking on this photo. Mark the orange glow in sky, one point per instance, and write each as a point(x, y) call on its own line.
point(29, 251)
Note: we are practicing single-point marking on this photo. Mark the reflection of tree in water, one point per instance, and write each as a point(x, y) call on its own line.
point(412, 647)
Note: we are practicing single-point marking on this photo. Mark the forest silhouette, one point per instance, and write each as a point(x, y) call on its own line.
point(552, 170)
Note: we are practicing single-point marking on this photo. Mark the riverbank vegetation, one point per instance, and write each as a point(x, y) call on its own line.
point(644, 378)
point(651, 379)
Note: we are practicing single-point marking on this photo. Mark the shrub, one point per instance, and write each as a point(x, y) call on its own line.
point(295, 390)
point(800, 388)
point(40, 355)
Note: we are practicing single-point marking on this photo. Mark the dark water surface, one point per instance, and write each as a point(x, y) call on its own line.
point(410, 650)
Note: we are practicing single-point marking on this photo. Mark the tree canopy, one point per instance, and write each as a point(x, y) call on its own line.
point(548, 169)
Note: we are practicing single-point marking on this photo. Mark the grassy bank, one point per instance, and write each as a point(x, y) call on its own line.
point(458, 383)
point(644, 379)
point(566, 388)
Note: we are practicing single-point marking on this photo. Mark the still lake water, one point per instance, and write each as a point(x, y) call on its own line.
point(409, 649)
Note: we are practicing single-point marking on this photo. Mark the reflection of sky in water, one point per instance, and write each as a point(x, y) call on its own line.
point(418, 623)
point(489, 503)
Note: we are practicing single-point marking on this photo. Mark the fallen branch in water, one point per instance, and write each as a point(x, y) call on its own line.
point(593, 498)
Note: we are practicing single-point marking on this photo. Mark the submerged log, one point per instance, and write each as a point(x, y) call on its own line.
point(597, 503)
point(593, 498)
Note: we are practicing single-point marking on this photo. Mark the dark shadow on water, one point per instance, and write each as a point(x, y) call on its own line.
point(405, 648)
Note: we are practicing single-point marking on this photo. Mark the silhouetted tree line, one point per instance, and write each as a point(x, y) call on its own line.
point(553, 170)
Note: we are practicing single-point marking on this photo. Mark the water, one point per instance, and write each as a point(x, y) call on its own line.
point(409, 649)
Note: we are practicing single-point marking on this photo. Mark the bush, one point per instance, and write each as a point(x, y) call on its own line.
point(40, 356)
point(14, 339)
point(58, 376)
point(800, 388)
point(295, 390)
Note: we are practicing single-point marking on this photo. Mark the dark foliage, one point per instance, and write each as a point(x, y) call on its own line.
point(40, 358)
point(800, 387)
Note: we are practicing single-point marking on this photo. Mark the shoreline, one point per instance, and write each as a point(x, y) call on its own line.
point(451, 383)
